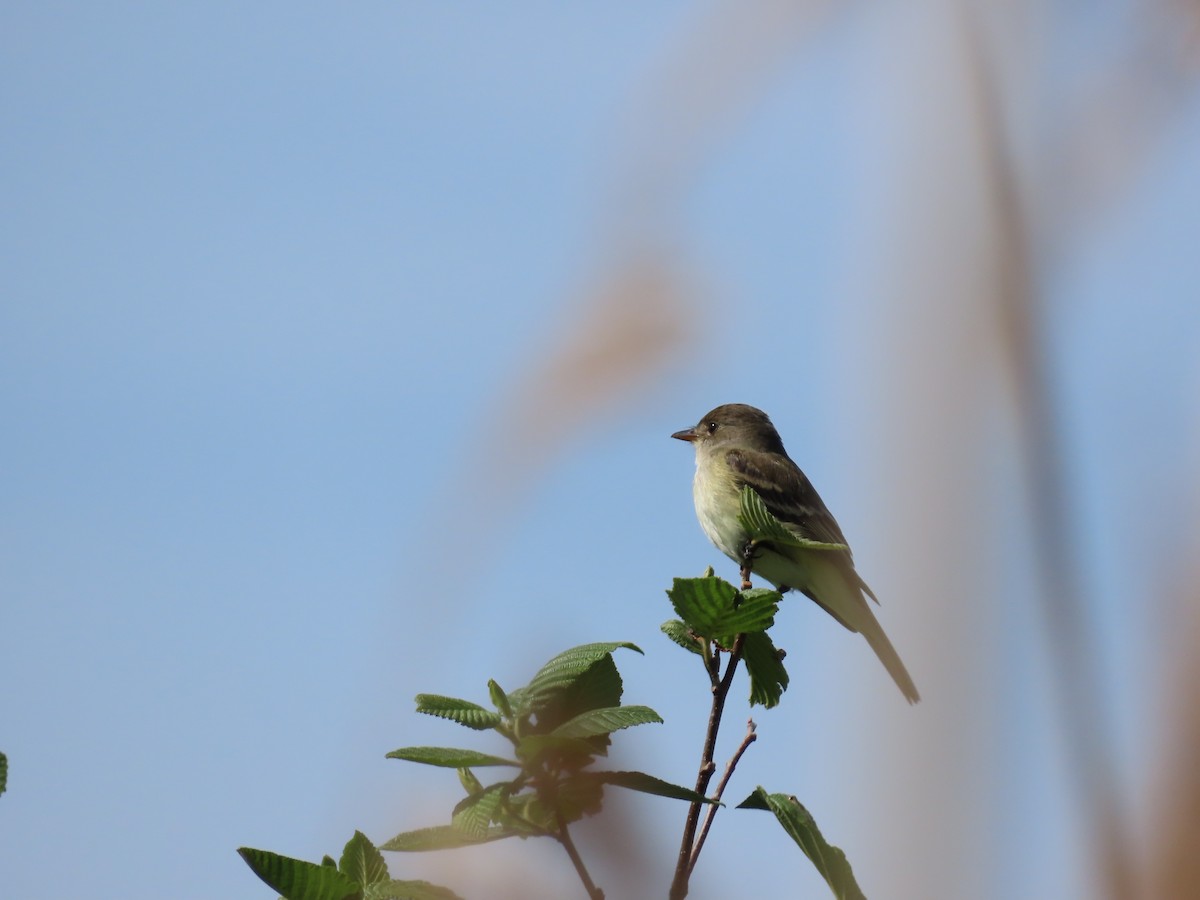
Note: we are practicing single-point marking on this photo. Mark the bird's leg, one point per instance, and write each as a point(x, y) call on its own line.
point(747, 562)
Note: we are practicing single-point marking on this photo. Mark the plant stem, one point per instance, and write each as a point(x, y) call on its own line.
point(564, 838)
point(749, 739)
point(685, 862)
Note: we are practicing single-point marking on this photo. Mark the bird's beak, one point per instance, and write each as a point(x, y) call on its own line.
point(688, 434)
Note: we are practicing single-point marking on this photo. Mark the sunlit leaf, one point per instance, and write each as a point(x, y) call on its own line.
point(830, 861)
point(713, 608)
point(678, 631)
point(408, 890)
point(463, 712)
point(648, 784)
point(606, 721)
point(361, 861)
point(564, 668)
point(297, 879)
point(473, 815)
point(449, 757)
point(755, 611)
point(442, 837)
point(702, 602)
point(596, 687)
point(764, 665)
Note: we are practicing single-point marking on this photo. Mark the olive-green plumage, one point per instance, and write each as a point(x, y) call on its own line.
point(737, 446)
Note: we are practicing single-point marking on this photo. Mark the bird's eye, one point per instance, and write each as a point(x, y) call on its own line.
point(712, 426)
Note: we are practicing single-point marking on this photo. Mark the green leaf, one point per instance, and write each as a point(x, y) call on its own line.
point(606, 721)
point(755, 612)
point(768, 677)
point(559, 673)
point(461, 711)
point(701, 602)
point(830, 861)
point(713, 608)
point(474, 814)
point(597, 687)
point(442, 837)
point(648, 784)
point(499, 699)
point(764, 527)
point(328, 860)
point(3, 773)
point(296, 879)
point(408, 890)
point(678, 631)
point(449, 757)
point(361, 861)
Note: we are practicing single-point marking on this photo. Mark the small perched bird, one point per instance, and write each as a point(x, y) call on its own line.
point(737, 446)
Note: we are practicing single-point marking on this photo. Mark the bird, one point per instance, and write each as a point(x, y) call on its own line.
point(737, 446)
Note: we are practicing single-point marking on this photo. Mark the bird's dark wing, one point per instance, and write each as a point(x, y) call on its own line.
point(790, 497)
point(787, 493)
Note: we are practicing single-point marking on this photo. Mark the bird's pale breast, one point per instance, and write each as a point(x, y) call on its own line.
point(718, 504)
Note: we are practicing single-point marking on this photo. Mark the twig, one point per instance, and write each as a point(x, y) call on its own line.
point(749, 739)
point(683, 865)
point(564, 838)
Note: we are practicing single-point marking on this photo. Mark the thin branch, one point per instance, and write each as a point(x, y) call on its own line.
point(749, 739)
point(683, 865)
point(564, 838)
point(712, 665)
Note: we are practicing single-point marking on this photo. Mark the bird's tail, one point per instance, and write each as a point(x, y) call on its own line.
point(873, 632)
point(830, 587)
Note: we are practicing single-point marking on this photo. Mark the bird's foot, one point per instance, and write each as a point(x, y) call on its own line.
point(746, 585)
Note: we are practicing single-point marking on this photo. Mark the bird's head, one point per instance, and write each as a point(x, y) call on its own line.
point(733, 425)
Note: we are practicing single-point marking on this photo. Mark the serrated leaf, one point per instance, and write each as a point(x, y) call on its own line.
point(474, 814)
point(596, 687)
point(701, 602)
point(408, 890)
point(605, 721)
point(463, 712)
point(648, 784)
point(678, 631)
point(798, 822)
point(449, 757)
point(764, 527)
point(442, 837)
point(713, 608)
point(754, 613)
point(564, 668)
point(768, 678)
point(361, 861)
point(297, 879)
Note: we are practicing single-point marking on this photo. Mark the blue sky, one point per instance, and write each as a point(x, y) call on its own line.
point(270, 279)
